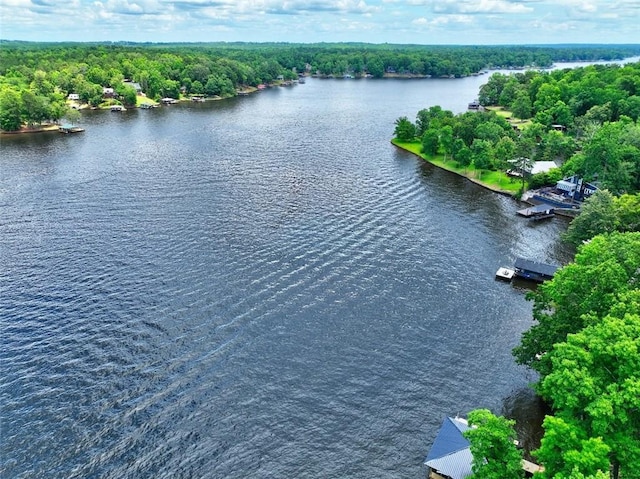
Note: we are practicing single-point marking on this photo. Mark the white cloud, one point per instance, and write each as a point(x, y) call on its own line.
point(482, 6)
point(393, 21)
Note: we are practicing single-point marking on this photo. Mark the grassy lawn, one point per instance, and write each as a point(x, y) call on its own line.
point(500, 111)
point(140, 100)
point(493, 180)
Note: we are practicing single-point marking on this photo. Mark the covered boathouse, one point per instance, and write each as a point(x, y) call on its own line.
point(534, 271)
point(450, 455)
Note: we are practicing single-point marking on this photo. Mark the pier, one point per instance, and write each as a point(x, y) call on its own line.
point(537, 212)
point(533, 270)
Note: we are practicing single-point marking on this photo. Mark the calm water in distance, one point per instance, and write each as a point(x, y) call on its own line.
point(260, 287)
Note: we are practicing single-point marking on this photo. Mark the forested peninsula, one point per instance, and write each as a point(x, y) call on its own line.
point(585, 340)
point(36, 79)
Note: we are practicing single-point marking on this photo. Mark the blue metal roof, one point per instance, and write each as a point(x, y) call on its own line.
point(456, 466)
point(449, 439)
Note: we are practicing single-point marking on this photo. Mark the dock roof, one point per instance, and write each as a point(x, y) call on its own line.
point(450, 454)
point(535, 267)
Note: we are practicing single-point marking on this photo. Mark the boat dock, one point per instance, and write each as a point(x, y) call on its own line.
point(70, 129)
point(526, 269)
point(533, 270)
point(537, 212)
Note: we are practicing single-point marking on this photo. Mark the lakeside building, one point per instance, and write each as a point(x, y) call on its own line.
point(450, 455)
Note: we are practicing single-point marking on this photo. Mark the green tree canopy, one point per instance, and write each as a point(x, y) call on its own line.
point(405, 130)
point(604, 271)
point(566, 451)
point(491, 439)
point(595, 382)
point(604, 213)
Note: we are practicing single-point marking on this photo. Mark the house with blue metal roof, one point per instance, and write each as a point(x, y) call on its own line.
point(450, 456)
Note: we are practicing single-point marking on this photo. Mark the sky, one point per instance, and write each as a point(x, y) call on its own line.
point(457, 22)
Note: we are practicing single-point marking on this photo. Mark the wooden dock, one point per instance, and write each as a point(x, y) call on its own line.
point(70, 129)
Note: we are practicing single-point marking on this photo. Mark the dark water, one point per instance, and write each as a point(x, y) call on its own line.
point(261, 287)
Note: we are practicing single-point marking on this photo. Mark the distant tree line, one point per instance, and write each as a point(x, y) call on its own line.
point(36, 78)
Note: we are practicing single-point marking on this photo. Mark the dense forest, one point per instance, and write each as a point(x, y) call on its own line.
point(36, 78)
point(585, 341)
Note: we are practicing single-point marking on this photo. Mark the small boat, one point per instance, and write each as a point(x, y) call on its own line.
point(505, 274)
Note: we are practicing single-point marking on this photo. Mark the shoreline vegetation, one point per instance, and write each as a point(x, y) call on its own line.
point(37, 80)
point(496, 181)
point(585, 122)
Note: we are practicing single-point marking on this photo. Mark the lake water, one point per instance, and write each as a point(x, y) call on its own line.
point(260, 287)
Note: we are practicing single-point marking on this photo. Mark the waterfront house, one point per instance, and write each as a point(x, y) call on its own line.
point(575, 188)
point(74, 96)
point(135, 85)
point(108, 92)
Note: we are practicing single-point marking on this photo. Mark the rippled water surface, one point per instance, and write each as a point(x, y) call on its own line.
point(260, 287)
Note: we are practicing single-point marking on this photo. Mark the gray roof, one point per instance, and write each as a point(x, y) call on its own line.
point(534, 267)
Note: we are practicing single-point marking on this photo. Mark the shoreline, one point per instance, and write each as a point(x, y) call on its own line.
point(44, 128)
point(478, 182)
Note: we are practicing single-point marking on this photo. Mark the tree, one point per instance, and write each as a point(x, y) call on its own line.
point(464, 157)
point(375, 66)
point(565, 450)
point(628, 213)
point(596, 380)
point(521, 106)
point(434, 117)
point(523, 165)
point(446, 140)
point(128, 94)
point(489, 131)
point(557, 146)
point(405, 130)
point(597, 216)
point(10, 110)
point(509, 92)
point(491, 91)
point(603, 158)
point(72, 116)
point(491, 439)
point(504, 150)
point(430, 142)
point(604, 271)
point(482, 153)
point(36, 109)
